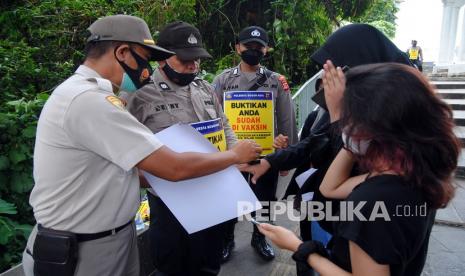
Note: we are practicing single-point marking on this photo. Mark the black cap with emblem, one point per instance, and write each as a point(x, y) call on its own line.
point(183, 39)
point(253, 34)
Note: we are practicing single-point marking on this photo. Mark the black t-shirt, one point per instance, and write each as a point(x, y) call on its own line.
point(402, 242)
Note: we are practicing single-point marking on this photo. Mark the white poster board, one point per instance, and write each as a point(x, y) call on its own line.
point(205, 201)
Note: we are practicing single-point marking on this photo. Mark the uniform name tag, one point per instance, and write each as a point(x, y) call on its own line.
point(213, 131)
point(251, 115)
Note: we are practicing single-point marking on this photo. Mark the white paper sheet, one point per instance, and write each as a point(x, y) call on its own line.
point(307, 196)
point(304, 176)
point(205, 201)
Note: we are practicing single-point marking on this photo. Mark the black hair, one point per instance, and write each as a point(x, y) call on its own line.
point(410, 127)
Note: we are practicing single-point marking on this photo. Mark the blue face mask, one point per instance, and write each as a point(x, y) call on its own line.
point(127, 84)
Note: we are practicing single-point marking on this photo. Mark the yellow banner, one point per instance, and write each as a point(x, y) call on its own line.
point(251, 115)
point(213, 131)
point(413, 53)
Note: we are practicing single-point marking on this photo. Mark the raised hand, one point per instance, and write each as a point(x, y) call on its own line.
point(334, 83)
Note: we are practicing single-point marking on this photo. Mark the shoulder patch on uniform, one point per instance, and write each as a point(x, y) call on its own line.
point(164, 86)
point(119, 103)
point(284, 83)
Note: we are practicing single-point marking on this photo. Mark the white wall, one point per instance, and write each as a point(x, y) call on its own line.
point(421, 20)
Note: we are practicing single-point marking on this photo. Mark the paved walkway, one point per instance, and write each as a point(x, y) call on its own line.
point(446, 254)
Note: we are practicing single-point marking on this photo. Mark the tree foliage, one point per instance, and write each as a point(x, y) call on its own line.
point(348, 10)
point(382, 15)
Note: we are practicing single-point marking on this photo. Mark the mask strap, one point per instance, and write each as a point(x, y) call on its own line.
point(174, 70)
point(140, 60)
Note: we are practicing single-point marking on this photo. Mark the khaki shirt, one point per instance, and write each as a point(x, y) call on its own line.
point(233, 79)
point(163, 103)
point(86, 148)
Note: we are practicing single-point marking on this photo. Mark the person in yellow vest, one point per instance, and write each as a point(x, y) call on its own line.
point(415, 54)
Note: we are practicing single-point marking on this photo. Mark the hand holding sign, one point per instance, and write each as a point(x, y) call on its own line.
point(246, 150)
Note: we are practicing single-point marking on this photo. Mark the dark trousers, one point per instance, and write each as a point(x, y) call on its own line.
point(418, 64)
point(264, 190)
point(175, 252)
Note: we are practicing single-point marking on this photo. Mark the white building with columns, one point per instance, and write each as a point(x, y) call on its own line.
point(451, 51)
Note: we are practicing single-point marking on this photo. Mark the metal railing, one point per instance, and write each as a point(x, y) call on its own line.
point(303, 103)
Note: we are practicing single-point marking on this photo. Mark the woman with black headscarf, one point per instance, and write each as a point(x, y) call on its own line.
point(351, 45)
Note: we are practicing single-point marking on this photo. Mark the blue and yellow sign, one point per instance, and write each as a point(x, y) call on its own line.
point(251, 115)
point(213, 131)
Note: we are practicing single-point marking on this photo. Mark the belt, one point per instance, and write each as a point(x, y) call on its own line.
point(99, 235)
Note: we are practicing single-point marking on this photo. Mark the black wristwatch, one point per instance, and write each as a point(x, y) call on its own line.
point(303, 251)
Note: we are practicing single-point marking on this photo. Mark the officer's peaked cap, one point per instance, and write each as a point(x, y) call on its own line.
point(126, 28)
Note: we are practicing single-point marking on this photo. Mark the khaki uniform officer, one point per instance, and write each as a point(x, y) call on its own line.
point(178, 96)
point(87, 149)
point(250, 75)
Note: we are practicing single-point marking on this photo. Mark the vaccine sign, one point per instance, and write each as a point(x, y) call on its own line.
point(251, 116)
point(212, 130)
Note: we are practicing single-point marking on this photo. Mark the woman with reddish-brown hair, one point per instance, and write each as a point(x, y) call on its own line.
point(400, 133)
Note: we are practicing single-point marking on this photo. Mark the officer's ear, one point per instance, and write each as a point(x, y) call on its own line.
point(265, 50)
point(122, 52)
point(161, 63)
point(238, 48)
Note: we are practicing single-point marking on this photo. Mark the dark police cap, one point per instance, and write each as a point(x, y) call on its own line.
point(126, 28)
point(253, 34)
point(183, 39)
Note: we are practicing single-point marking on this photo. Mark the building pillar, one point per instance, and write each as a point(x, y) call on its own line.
point(448, 30)
point(461, 55)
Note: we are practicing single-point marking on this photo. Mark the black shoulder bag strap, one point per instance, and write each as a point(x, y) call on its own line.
point(261, 80)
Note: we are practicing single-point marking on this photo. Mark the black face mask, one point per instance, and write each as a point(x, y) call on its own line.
point(252, 56)
point(141, 75)
point(181, 79)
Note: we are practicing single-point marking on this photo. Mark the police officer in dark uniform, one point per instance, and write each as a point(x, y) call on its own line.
point(252, 45)
point(177, 95)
